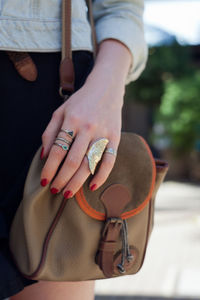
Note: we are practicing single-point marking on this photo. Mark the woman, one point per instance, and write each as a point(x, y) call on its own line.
point(31, 110)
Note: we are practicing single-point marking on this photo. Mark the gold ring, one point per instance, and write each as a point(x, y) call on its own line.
point(95, 153)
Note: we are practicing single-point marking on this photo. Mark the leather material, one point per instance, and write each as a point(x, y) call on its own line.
point(115, 198)
point(128, 264)
point(55, 239)
point(107, 248)
point(66, 65)
point(24, 65)
point(67, 76)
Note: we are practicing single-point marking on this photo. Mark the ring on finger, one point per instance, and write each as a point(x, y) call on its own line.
point(64, 147)
point(64, 140)
point(111, 151)
point(95, 153)
point(69, 133)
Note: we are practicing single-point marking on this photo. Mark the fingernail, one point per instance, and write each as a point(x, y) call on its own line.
point(42, 153)
point(68, 194)
point(54, 191)
point(44, 182)
point(93, 187)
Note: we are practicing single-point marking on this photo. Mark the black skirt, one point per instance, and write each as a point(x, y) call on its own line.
point(26, 109)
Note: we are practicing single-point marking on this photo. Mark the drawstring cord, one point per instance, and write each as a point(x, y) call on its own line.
point(126, 255)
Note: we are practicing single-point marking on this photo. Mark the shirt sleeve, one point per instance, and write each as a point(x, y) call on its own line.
point(123, 21)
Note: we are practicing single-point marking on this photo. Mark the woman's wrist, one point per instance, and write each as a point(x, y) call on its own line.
point(111, 66)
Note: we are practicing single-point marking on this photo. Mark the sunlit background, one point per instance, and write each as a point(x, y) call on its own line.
point(176, 18)
point(164, 107)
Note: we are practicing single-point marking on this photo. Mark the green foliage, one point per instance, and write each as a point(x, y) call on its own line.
point(163, 63)
point(180, 112)
point(171, 85)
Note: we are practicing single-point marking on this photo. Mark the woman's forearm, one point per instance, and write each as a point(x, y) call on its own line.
point(112, 64)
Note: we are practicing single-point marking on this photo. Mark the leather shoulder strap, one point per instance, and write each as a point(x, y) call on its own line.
point(66, 66)
point(66, 29)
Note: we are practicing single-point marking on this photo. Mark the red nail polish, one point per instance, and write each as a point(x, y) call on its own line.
point(68, 194)
point(44, 182)
point(54, 191)
point(93, 187)
point(42, 153)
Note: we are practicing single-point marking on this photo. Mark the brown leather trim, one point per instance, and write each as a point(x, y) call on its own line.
point(47, 239)
point(115, 198)
point(107, 248)
point(161, 165)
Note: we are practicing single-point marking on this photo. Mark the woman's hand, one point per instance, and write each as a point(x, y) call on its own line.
point(92, 112)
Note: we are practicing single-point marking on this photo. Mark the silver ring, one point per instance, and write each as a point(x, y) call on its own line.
point(64, 147)
point(111, 151)
point(69, 133)
point(64, 140)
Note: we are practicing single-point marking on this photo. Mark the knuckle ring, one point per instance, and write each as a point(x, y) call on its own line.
point(111, 151)
point(67, 142)
point(64, 140)
point(69, 133)
point(95, 153)
point(64, 147)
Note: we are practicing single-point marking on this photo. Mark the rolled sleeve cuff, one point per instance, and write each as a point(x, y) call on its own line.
point(131, 36)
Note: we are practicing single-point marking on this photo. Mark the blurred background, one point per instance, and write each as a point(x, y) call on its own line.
point(163, 106)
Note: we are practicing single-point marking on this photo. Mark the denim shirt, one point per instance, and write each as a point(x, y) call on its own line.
point(35, 25)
